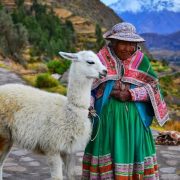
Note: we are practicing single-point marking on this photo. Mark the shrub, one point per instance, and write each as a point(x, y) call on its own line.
point(45, 80)
point(57, 66)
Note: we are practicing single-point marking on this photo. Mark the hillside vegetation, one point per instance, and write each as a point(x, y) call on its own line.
point(33, 33)
point(170, 85)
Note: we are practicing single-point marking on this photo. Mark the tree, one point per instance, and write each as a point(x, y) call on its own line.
point(19, 3)
point(46, 33)
point(1, 6)
point(13, 37)
point(100, 42)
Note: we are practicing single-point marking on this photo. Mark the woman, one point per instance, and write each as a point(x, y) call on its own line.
point(122, 146)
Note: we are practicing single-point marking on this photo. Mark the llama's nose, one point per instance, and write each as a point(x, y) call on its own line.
point(104, 72)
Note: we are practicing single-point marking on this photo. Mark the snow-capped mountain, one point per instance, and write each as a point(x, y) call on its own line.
point(145, 5)
point(157, 16)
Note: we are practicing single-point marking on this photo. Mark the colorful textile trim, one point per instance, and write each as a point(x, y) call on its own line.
point(139, 94)
point(113, 67)
point(132, 74)
point(95, 168)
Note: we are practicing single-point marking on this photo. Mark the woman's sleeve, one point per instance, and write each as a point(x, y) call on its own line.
point(139, 94)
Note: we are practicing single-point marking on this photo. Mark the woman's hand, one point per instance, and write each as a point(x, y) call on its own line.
point(124, 95)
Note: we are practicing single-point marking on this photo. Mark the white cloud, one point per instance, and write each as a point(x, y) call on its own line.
point(128, 5)
point(137, 5)
point(108, 2)
point(176, 6)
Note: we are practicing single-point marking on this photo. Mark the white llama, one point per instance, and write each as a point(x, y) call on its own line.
point(48, 123)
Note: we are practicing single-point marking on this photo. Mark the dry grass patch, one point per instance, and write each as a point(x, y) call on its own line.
point(60, 89)
point(62, 13)
point(30, 79)
point(172, 126)
point(38, 67)
point(77, 20)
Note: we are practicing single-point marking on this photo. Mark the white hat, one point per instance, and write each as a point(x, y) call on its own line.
point(123, 31)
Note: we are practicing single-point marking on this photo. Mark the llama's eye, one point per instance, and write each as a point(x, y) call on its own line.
point(90, 62)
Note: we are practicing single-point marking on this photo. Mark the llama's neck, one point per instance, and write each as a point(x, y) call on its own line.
point(79, 89)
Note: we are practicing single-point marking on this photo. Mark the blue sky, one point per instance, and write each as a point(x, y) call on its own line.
point(136, 5)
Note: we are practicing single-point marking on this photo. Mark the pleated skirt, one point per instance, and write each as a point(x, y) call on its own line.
point(121, 148)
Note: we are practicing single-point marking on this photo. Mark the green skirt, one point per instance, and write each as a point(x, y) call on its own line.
point(123, 148)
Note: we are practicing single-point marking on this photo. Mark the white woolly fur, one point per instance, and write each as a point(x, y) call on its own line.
point(48, 123)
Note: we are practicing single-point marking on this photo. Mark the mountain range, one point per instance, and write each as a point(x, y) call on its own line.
point(164, 46)
point(162, 22)
point(94, 10)
point(160, 16)
point(166, 42)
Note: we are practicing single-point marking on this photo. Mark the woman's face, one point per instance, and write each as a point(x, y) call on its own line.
point(124, 49)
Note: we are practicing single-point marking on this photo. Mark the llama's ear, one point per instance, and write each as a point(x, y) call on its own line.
point(70, 56)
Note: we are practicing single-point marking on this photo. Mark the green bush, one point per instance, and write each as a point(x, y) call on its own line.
point(57, 66)
point(45, 80)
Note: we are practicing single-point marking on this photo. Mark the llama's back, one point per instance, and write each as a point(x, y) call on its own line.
point(23, 94)
point(27, 111)
point(16, 97)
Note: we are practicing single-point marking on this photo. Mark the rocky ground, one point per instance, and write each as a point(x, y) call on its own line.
point(23, 165)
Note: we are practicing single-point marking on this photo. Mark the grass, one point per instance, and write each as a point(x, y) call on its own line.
point(159, 66)
point(170, 85)
point(171, 125)
point(2, 65)
point(30, 79)
point(38, 67)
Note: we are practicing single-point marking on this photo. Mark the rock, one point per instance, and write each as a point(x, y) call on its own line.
point(20, 152)
point(168, 170)
point(26, 159)
point(172, 162)
point(34, 163)
point(169, 177)
point(10, 164)
point(56, 76)
point(171, 156)
point(64, 78)
point(6, 175)
point(168, 152)
point(175, 148)
point(15, 168)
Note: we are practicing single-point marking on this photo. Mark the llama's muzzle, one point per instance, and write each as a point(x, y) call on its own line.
point(103, 74)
